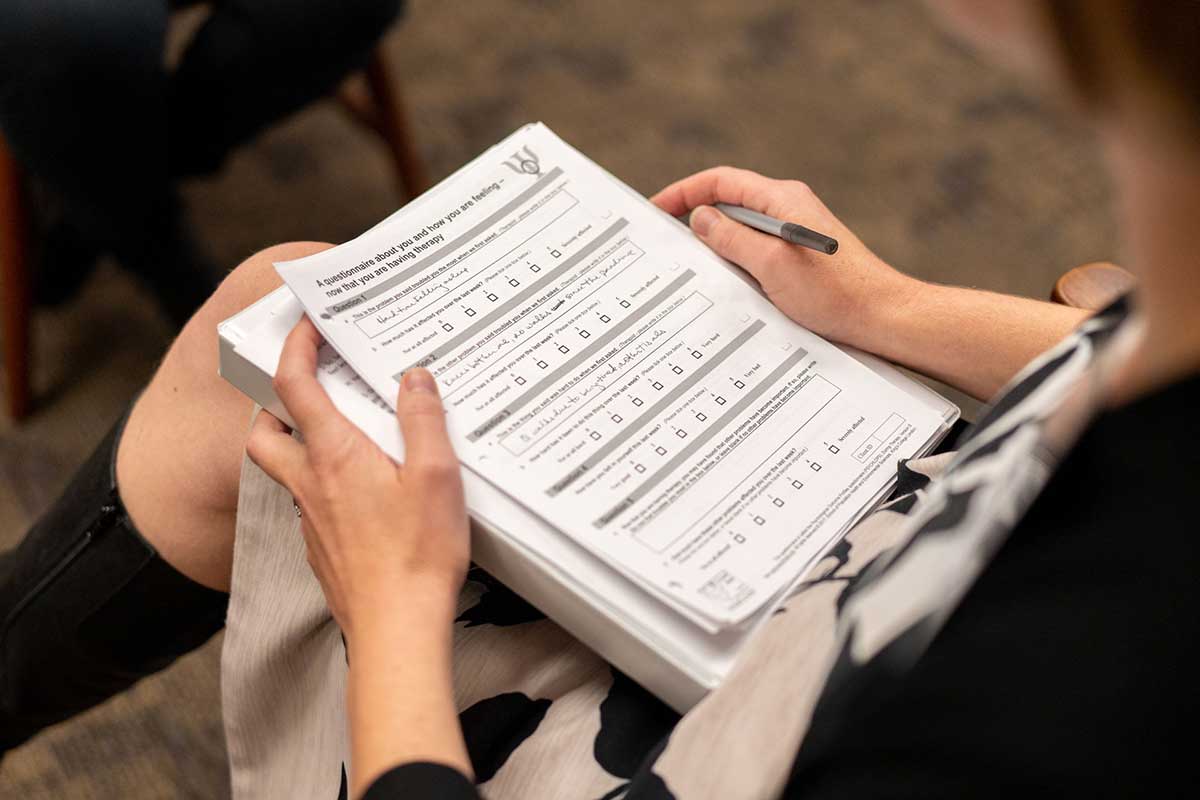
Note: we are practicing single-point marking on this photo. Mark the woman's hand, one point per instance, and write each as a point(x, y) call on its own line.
point(385, 540)
point(834, 296)
point(973, 340)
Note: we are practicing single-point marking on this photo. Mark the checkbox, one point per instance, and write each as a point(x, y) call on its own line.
point(759, 520)
point(740, 384)
point(605, 318)
point(584, 334)
point(595, 434)
point(624, 304)
point(681, 433)
point(833, 448)
point(778, 502)
point(617, 418)
point(678, 370)
point(640, 467)
point(637, 401)
point(787, 346)
point(815, 466)
point(720, 400)
point(797, 485)
point(543, 364)
point(470, 312)
point(534, 268)
point(744, 318)
point(562, 348)
point(662, 451)
point(520, 381)
point(446, 326)
point(555, 253)
point(737, 537)
point(657, 385)
point(513, 282)
point(696, 354)
point(492, 297)
point(701, 416)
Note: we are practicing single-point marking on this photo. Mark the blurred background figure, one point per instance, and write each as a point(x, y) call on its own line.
point(106, 129)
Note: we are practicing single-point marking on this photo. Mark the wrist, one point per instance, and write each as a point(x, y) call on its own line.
point(424, 610)
point(892, 305)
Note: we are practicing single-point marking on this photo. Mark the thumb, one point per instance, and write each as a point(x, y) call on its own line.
point(423, 420)
point(751, 250)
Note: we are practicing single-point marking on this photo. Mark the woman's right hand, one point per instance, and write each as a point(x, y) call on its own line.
point(834, 296)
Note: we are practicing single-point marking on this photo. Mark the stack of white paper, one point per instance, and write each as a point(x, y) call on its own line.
point(654, 452)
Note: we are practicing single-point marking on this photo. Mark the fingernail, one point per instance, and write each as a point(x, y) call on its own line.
point(418, 379)
point(703, 218)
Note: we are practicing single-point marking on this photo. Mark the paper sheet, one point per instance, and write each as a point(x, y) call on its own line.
point(605, 369)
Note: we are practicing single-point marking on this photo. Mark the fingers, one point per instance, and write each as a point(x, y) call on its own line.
point(296, 380)
point(273, 449)
point(423, 423)
point(738, 187)
point(763, 256)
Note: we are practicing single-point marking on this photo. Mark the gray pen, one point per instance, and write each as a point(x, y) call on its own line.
point(788, 231)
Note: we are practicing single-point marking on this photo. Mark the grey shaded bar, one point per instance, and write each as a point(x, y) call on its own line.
point(454, 244)
point(545, 383)
point(535, 287)
point(644, 488)
point(633, 427)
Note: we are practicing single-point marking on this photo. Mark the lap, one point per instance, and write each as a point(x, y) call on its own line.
point(541, 713)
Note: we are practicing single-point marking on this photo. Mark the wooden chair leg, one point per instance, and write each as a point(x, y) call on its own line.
point(392, 119)
point(15, 289)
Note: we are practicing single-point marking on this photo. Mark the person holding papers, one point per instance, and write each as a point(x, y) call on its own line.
point(1033, 632)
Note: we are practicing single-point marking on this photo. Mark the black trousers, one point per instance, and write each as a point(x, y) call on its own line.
point(90, 110)
point(87, 607)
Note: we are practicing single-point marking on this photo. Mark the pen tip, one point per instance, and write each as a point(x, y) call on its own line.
point(831, 248)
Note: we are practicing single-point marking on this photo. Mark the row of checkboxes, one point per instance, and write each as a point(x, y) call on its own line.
point(514, 282)
point(584, 333)
point(779, 502)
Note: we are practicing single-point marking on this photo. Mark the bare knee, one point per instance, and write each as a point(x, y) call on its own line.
point(179, 461)
point(253, 279)
point(195, 351)
point(256, 276)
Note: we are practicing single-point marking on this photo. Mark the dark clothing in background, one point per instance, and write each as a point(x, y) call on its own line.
point(88, 107)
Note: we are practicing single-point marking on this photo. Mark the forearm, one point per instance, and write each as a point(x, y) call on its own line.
point(970, 339)
point(973, 340)
point(400, 694)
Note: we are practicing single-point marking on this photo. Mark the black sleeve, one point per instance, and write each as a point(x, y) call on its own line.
point(420, 780)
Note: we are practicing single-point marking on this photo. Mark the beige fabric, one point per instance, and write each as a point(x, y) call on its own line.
point(542, 661)
point(283, 672)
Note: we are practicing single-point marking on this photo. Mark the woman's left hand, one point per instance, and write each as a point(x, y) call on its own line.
point(386, 541)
